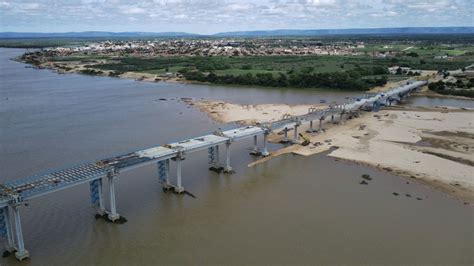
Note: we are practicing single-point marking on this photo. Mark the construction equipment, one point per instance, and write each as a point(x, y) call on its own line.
point(306, 140)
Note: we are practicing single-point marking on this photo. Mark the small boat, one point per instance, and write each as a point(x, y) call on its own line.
point(322, 101)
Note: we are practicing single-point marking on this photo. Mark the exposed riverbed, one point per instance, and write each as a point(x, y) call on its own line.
point(292, 209)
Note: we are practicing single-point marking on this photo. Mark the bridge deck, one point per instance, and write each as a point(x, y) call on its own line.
point(38, 185)
point(199, 143)
point(243, 132)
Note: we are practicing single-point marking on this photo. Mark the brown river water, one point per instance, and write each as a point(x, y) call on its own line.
point(290, 210)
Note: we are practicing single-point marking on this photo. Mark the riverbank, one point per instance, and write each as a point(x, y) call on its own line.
point(250, 113)
point(422, 144)
point(78, 67)
point(424, 91)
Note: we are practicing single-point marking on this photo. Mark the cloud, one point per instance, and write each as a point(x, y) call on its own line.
point(30, 6)
point(321, 2)
point(238, 7)
point(130, 9)
point(207, 16)
point(384, 14)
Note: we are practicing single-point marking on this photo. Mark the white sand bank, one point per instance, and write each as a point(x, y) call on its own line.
point(433, 145)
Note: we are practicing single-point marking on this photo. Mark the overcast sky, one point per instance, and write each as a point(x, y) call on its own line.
point(210, 16)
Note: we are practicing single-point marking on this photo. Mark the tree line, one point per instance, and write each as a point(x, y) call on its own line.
point(349, 80)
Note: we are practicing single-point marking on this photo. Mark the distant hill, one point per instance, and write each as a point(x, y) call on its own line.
point(263, 33)
point(371, 31)
point(91, 34)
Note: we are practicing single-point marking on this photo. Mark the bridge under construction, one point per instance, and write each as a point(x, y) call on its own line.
point(100, 173)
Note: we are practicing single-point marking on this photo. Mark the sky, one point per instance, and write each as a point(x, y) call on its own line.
point(212, 16)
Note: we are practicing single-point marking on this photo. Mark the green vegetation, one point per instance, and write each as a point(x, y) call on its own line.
point(449, 88)
point(91, 72)
point(350, 80)
point(277, 64)
point(340, 72)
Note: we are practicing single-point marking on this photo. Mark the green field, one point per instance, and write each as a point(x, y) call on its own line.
point(276, 64)
point(425, 50)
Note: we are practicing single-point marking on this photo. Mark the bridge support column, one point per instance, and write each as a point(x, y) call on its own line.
point(332, 119)
point(6, 229)
point(100, 191)
point(178, 188)
point(21, 252)
point(321, 125)
point(228, 169)
point(311, 129)
point(112, 215)
point(265, 144)
point(285, 138)
point(255, 150)
point(214, 159)
point(295, 135)
point(164, 174)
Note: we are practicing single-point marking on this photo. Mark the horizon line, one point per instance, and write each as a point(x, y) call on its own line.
point(268, 30)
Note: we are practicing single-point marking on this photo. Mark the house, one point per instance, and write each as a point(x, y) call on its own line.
point(394, 69)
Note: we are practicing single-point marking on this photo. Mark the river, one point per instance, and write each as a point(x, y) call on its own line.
point(290, 210)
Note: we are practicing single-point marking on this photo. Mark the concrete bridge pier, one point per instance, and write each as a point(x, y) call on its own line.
point(179, 188)
point(265, 152)
point(321, 124)
point(332, 119)
point(311, 129)
point(6, 229)
point(285, 138)
point(213, 154)
point(164, 174)
point(97, 195)
point(112, 215)
point(100, 195)
point(255, 150)
point(21, 253)
point(227, 168)
point(295, 135)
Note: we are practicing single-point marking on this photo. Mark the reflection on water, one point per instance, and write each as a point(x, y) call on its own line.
point(289, 210)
